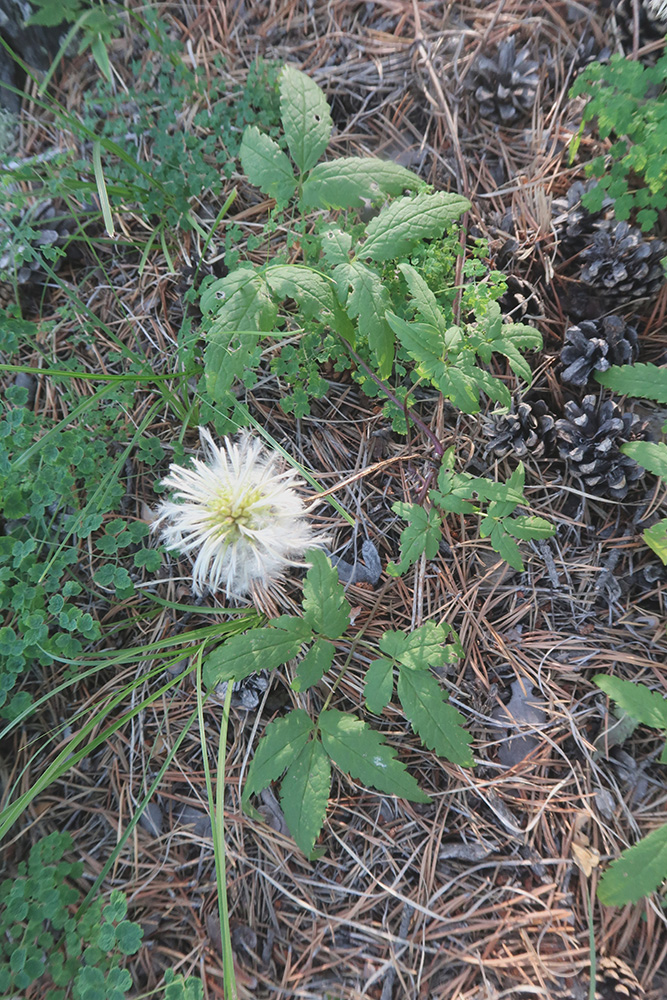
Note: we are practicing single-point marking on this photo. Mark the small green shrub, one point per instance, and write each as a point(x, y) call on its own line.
point(628, 100)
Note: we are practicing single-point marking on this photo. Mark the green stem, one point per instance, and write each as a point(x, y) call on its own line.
point(218, 829)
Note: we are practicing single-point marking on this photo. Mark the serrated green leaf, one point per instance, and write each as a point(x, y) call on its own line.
point(503, 544)
point(521, 336)
point(350, 180)
point(423, 647)
point(638, 872)
point(379, 685)
point(529, 527)
point(422, 535)
point(314, 665)
point(266, 166)
point(325, 607)
point(405, 222)
point(259, 649)
point(518, 363)
point(280, 745)
point(461, 388)
point(367, 301)
point(645, 381)
point(424, 343)
point(336, 246)
point(361, 752)
point(439, 725)
point(651, 456)
point(493, 387)
point(423, 298)
point(656, 539)
point(305, 117)
point(314, 293)
point(239, 301)
point(227, 357)
point(636, 700)
point(304, 794)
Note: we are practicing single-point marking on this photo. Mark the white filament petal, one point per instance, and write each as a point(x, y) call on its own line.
point(236, 516)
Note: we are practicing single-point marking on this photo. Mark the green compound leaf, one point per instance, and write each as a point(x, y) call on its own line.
point(260, 649)
point(425, 344)
point(266, 166)
point(360, 751)
point(280, 745)
point(304, 794)
point(653, 457)
point(379, 685)
point(637, 872)
point(501, 542)
point(367, 300)
point(314, 665)
point(423, 298)
point(406, 221)
point(529, 527)
point(314, 293)
point(656, 539)
point(645, 381)
point(325, 608)
point(424, 647)
point(438, 724)
point(422, 535)
point(636, 700)
point(305, 117)
point(351, 180)
point(128, 937)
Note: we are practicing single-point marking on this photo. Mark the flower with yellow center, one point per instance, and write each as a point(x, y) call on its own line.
point(236, 516)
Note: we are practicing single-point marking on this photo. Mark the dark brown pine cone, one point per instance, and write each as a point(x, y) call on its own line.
point(506, 85)
point(526, 429)
point(621, 265)
point(652, 22)
point(589, 437)
point(575, 226)
point(595, 345)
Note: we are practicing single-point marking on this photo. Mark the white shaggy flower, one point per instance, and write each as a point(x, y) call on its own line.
point(236, 516)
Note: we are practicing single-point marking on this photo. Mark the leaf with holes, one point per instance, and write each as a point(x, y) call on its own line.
point(305, 117)
point(361, 752)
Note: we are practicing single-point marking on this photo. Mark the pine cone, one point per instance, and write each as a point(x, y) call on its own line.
point(575, 226)
point(621, 265)
point(595, 345)
point(527, 428)
point(589, 439)
point(521, 301)
point(652, 22)
point(506, 86)
point(615, 980)
point(20, 258)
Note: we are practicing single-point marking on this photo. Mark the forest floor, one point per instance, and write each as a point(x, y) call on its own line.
point(487, 892)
